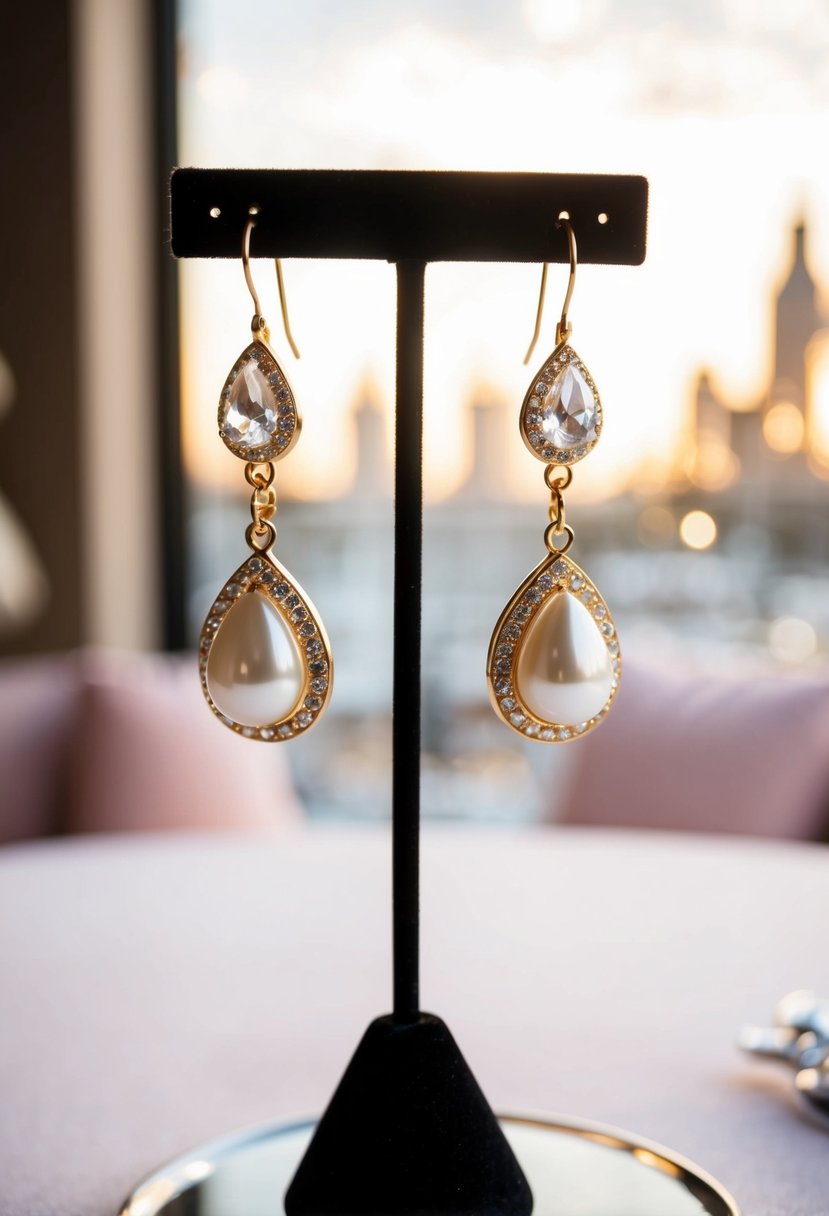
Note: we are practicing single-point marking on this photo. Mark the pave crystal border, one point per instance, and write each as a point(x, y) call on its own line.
point(530, 417)
point(264, 574)
point(554, 576)
point(289, 422)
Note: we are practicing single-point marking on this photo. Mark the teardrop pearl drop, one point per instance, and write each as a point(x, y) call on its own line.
point(254, 670)
point(564, 672)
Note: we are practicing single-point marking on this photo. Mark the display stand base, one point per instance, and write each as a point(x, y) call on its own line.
point(408, 1131)
point(574, 1169)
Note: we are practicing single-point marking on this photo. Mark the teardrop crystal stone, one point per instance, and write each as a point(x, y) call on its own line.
point(250, 416)
point(564, 671)
point(258, 418)
point(561, 418)
point(254, 670)
point(568, 410)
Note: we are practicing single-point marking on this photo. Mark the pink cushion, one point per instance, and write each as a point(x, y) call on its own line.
point(148, 754)
point(716, 754)
point(37, 702)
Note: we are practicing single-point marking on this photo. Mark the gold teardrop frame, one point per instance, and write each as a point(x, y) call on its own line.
point(289, 422)
point(264, 574)
point(530, 416)
point(555, 575)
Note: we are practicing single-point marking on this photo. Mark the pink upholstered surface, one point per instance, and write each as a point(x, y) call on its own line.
point(160, 991)
point(101, 741)
point(148, 754)
point(713, 754)
point(38, 698)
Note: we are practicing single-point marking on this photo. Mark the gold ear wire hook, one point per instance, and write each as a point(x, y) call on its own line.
point(258, 324)
point(563, 328)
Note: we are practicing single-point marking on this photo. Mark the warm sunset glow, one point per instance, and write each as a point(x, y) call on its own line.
point(455, 95)
point(783, 428)
point(698, 530)
point(817, 386)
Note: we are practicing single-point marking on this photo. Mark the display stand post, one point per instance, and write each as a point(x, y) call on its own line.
point(408, 1129)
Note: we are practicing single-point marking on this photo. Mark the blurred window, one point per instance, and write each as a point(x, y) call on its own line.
point(702, 513)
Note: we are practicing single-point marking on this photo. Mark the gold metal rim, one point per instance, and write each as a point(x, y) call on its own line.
point(262, 573)
point(268, 452)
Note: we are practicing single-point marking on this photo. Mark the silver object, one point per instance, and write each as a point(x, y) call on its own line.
point(800, 1038)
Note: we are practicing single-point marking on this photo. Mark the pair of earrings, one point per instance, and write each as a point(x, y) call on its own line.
point(553, 665)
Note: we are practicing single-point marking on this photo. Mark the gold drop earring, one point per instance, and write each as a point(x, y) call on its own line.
point(553, 665)
point(264, 657)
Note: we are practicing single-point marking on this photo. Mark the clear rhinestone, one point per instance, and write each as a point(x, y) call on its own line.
point(576, 583)
point(304, 718)
point(513, 632)
point(503, 651)
point(281, 590)
point(298, 614)
point(544, 582)
point(599, 612)
point(532, 730)
point(607, 629)
point(313, 703)
point(318, 668)
point(586, 596)
point(564, 734)
point(517, 718)
point(286, 423)
point(255, 564)
point(569, 410)
point(248, 732)
point(502, 667)
point(508, 704)
point(308, 630)
point(248, 415)
point(533, 596)
point(521, 612)
point(267, 733)
point(319, 684)
point(284, 731)
point(546, 734)
point(559, 568)
point(313, 647)
point(502, 687)
point(267, 576)
point(292, 601)
point(536, 439)
point(613, 647)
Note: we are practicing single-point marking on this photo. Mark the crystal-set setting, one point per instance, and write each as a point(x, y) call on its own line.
point(526, 650)
point(306, 674)
point(258, 416)
point(561, 418)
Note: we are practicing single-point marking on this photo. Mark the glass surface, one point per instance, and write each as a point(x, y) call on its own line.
point(574, 1169)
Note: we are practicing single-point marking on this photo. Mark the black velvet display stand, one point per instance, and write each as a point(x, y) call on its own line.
point(408, 1129)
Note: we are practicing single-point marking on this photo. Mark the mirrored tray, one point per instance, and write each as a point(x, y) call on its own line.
point(574, 1169)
